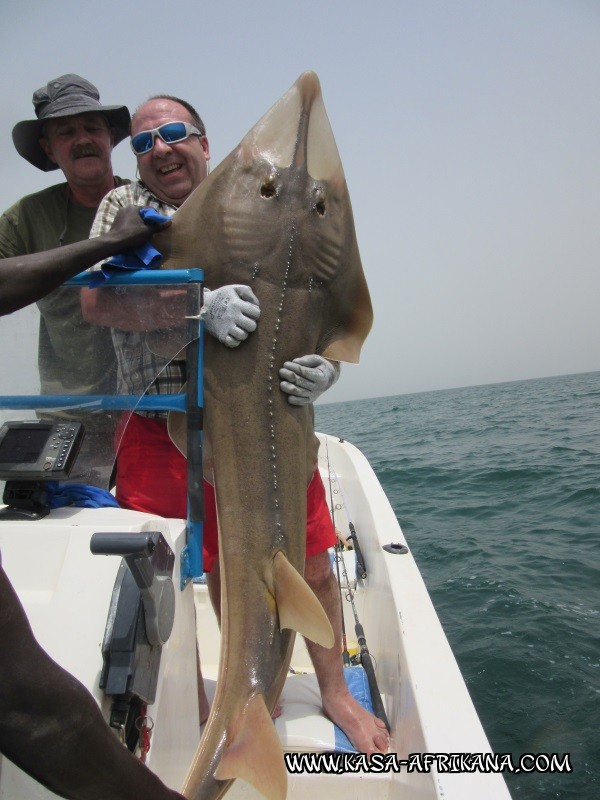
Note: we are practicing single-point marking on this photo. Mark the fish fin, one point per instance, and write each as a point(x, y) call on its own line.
point(177, 427)
point(345, 341)
point(298, 606)
point(255, 753)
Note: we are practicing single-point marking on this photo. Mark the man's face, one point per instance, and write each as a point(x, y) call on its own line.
point(170, 171)
point(81, 145)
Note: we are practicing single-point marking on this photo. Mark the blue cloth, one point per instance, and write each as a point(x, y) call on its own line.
point(144, 257)
point(78, 494)
point(358, 686)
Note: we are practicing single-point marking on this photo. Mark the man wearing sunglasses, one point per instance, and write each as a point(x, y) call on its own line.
point(172, 150)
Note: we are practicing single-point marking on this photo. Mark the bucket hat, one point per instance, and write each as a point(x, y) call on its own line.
point(64, 97)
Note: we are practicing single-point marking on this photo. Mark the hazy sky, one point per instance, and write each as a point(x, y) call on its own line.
point(469, 131)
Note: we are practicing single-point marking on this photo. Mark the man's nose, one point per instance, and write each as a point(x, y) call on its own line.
point(160, 148)
point(82, 135)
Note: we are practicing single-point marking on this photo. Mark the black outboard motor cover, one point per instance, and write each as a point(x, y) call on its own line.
point(140, 620)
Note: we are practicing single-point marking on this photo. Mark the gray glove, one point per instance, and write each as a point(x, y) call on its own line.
point(230, 313)
point(306, 378)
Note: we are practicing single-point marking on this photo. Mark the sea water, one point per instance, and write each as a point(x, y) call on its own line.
point(497, 490)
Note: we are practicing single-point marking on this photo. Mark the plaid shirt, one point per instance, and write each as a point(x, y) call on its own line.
point(139, 370)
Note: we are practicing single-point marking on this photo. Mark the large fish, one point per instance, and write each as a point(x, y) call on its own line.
point(275, 215)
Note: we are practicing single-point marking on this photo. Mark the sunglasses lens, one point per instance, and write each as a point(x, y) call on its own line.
point(142, 142)
point(172, 132)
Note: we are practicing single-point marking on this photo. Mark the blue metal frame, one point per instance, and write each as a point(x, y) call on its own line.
point(192, 402)
point(94, 402)
point(143, 277)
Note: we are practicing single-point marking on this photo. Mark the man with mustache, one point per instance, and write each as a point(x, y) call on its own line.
point(170, 142)
point(75, 133)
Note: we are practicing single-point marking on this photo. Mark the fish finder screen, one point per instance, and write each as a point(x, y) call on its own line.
point(23, 446)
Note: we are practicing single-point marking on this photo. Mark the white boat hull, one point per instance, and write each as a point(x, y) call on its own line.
point(66, 593)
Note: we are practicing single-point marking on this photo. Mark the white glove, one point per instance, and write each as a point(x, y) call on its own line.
point(230, 313)
point(306, 378)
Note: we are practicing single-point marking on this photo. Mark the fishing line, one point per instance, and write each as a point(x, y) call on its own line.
point(345, 653)
point(365, 656)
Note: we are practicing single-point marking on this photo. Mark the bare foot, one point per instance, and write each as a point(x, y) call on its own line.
point(276, 711)
point(367, 732)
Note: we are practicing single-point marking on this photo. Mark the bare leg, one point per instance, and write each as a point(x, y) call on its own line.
point(51, 726)
point(366, 732)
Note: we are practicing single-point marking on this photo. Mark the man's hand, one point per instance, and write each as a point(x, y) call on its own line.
point(129, 229)
point(230, 313)
point(306, 378)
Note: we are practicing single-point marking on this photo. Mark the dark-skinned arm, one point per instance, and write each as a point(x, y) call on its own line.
point(51, 726)
point(25, 279)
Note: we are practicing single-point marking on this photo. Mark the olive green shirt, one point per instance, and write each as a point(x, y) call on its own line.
point(74, 357)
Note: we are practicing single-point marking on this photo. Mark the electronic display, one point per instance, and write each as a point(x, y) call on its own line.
point(38, 449)
point(23, 446)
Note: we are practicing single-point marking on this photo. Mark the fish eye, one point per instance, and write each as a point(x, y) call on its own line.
point(319, 205)
point(268, 188)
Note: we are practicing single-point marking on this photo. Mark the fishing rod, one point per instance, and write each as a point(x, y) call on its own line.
point(366, 659)
point(365, 656)
point(360, 561)
point(361, 566)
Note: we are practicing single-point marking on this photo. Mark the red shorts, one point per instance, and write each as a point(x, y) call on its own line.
point(151, 472)
point(152, 477)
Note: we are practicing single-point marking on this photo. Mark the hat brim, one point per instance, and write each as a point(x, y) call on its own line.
point(26, 134)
